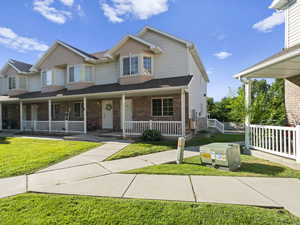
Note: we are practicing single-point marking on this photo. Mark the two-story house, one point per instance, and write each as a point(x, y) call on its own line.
point(151, 80)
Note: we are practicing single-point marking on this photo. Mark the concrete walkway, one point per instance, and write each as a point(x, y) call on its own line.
point(88, 174)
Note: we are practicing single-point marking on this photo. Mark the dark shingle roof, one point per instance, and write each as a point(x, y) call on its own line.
point(78, 50)
point(155, 83)
point(21, 66)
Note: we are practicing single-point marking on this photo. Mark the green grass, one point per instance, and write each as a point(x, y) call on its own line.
point(34, 209)
point(144, 148)
point(23, 155)
point(251, 166)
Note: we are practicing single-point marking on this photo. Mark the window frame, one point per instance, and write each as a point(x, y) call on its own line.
point(77, 77)
point(162, 106)
point(9, 83)
point(81, 109)
point(152, 64)
point(48, 73)
point(82, 71)
point(53, 110)
point(130, 56)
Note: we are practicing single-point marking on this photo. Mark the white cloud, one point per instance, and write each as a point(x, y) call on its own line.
point(270, 22)
point(67, 2)
point(80, 11)
point(12, 40)
point(223, 55)
point(118, 10)
point(51, 13)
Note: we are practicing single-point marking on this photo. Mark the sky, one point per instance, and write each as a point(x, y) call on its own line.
point(230, 35)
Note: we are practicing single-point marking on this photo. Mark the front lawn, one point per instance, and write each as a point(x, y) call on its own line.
point(36, 209)
point(144, 148)
point(251, 166)
point(23, 155)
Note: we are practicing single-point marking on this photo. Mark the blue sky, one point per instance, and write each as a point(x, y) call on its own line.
point(224, 30)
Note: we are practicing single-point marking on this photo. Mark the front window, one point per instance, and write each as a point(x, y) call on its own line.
point(130, 65)
point(147, 60)
point(47, 78)
point(78, 110)
point(55, 110)
point(12, 83)
point(162, 107)
point(74, 73)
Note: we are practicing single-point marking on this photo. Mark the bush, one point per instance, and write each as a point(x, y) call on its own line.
point(151, 135)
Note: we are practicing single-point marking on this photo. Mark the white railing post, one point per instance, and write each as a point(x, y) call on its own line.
point(247, 118)
point(183, 112)
point(50, 114)
point(298, 143)
point(84, 115)
point(34, 125)
point(150, 125)
point(123, 115)
point(66, 126)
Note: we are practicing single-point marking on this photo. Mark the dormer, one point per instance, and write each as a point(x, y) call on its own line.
point(292, 20)
point(15, 77)
point(136, 59)
point(64, 66)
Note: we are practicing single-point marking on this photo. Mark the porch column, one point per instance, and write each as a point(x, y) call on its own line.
point(183, 112)
point(21, 116)
point(50, 114)
point(1, 117)
point(123, 115)
point(84, 116)
point(247, 117)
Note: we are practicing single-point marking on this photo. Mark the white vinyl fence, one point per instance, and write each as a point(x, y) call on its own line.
point(56, 126)
point(282, 141)
point(166, 128)
point(214, 123)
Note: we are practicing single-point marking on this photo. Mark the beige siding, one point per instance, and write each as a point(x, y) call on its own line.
point(293, 25)
point(107, 73)
point(34, 82)
point(133, 47)
point(197, 90)
point(61, 56)
point(173, 61)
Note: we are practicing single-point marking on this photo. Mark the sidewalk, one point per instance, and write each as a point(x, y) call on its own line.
point(87, 174)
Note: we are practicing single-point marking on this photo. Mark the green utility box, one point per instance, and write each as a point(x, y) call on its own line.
point(221, 155)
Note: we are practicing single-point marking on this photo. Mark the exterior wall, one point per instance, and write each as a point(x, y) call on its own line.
point(292, 15)
point(132, 47)
point(173, 61)
point(197, 90)
point(107, 73)
point(292, 99)
point(34, 82)
point(61, 56)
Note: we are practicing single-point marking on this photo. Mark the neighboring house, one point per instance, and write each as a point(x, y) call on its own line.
point(284, 141)
point(151, 80)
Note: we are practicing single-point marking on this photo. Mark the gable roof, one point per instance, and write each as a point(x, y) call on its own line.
point(77, 51)
point(21, 66)
point(154, 48)
point(148, 28)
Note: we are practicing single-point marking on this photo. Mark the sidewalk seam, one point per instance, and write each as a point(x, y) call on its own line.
point(258, 191)
point(193, 190)
point(128, 186)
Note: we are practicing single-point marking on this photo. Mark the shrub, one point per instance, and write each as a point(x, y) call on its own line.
point(151, 135)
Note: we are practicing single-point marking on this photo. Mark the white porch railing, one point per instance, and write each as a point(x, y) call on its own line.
point(56, 126)
point(282, 141)
point(214, 123)
point(166, 128)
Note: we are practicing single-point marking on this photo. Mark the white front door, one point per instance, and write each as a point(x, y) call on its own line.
point(107, 114)
point(128, 111)
point(34, 112)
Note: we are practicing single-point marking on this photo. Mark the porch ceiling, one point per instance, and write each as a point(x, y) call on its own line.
point(282, 65)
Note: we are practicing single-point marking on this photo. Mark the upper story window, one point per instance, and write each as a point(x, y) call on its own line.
point(12, 83)
point(130, 65)
point(147, 61)
point(78, 73)
point(47, 78)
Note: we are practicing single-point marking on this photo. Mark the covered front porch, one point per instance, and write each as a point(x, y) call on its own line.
point(278, 140)
point(129, 113)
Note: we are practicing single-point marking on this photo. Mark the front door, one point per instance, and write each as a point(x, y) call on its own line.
point(107, 114)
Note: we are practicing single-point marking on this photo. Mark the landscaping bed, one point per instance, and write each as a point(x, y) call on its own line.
point(26, 155)
point(144, 148)
point(36, 209)
point(251, 167)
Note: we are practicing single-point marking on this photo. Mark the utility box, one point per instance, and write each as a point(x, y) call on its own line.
point(221, 155)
